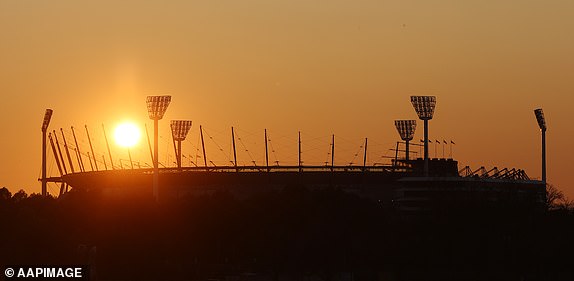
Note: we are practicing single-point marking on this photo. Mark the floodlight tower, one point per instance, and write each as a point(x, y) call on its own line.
point(47, 118)
point(156, 107)
point(179, 130)
point(542, 124)
point(424, 106)
point(406, 129)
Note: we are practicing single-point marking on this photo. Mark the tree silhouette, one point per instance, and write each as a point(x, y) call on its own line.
point(5, 194)
point(295, 233)
point(555, 198)
point(19, 196)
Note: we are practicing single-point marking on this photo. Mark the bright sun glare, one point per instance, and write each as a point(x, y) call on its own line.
point(127, 134)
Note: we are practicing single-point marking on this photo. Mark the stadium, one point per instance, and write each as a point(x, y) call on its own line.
point(406, 185)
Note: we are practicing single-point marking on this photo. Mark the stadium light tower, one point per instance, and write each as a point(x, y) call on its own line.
point(179, 130)
point(156, 107)
point(542, 124)
point(406, 129)
point(424, 106)
point(47, 118)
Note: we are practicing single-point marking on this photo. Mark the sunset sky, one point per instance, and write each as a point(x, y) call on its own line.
point(322, 67)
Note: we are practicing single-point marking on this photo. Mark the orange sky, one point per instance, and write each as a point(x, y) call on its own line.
point(343, 67)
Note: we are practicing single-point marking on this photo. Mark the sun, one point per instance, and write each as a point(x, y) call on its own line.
point(127, 134)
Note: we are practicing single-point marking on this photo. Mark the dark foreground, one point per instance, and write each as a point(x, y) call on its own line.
point(295, 234)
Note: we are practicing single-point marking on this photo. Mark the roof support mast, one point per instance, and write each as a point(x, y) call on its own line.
point(78, 153)
point(108, 146)
point(299, 158)
point(177, 162)
point(203, 146)
point(91, 147)
point(60, 152)
point(266, 152)
point(90, 159)
point(55, 154)
point(333, 153)
point(130, 156)
point(57, 163)
point(234, 152)
point(67, 151)
point(104, 160)
point(149, 143)
point(365, 155)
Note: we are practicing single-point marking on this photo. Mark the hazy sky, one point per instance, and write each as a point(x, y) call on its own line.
point(322, 67)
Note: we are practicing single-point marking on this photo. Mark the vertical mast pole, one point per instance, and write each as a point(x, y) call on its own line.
point(60, 153)
point(55, 154)
point(104, 160)
point(299, 158)
point(130, 155)
point(234, 152)
point(79, 154)
point(108, 146)
point(333, 153)
point(149, 143)
point(78, 158)
point(90, 158)
point(57, 162)
point(91, 147)
point(266, 152)
point(365, 155)
point(67, 151)
point(177, 157)
point(203, 146)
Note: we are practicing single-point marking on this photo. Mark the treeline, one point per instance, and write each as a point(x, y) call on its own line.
point(294, 234)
